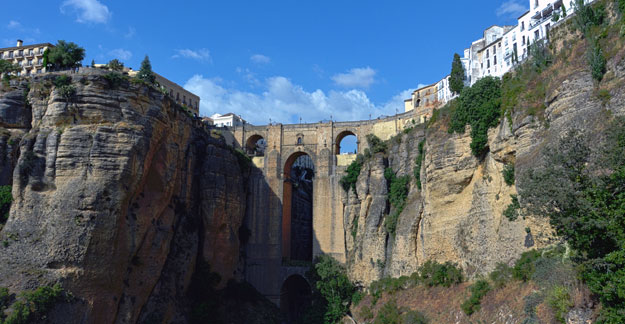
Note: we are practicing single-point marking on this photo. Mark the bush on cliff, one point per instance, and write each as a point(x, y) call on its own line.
point(32, 306)
point(478, 290)
point(582, 191)
point(332, 291)
point(352, 172)
point(479, 106)
point(5, 203)
point(397, 194)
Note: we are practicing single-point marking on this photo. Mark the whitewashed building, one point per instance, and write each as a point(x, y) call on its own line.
point(227, 120)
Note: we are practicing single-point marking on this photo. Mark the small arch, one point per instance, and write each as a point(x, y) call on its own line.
point(350, 145)
point(255, 145)
point(295, 298)
point(418, 102)
point(300, 139)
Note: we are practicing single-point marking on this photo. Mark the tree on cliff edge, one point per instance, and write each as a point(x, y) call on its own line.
point(145, 73)
point(65, 55)
point(456, 80)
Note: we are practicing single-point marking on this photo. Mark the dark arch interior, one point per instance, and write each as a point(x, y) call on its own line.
point(346, 142)
point(255, 145)
point(299, 172)
point(295, 297)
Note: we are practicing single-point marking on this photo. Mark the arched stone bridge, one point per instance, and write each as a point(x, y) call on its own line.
point(268, 215)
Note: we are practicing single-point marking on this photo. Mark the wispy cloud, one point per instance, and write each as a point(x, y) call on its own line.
point(202, 55)
point(286, 102)
point(260, 59)
point(131, 32)
point(511, 9)
point(87, 11)
point(120, 53)
point(14, 24)
point(357, 77)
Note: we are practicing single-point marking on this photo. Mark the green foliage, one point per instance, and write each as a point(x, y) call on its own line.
point(524, 267)
point(5, 203)
point(418, 162)
point(560, 301)
point(366, 313)
point(388, 314)
point(67, 92)
point(354, 229)
point(501, 276)
point(457, 77)
point(145, 73)
point(244, 161)
point(352, 172)
point(376, 144)
point(114, 79)
point(62, 80)
point(604, 96)
point(65, 55)
point(512, 86)
point(596, 61)
point(34, 305)
point(478, 290)
point(332, 288)
point(508, 174)
point(541, 57)
point(436, 274)
point(413, 317)
point(7, 67)
point(587, 16)
point(398, 192)
point(479, 106)
point(115, 65)
point(512, 211)
point(357, 298)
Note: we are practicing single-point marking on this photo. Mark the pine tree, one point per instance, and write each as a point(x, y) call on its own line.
point(456, 81)
point(92, 63)
point(145, 73)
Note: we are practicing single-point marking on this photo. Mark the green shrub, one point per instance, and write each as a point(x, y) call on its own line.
point(115, 65)
point(604, 96)
point(512, 86)
point(33, 305)
point(512, 211)
point(354, 228)
point(375, 144)
point(5, 203)
point(352, 172)
point(62, 80)
point(508, 174)
point(501, 276)
point(357, 298)
point(67, 92)
point(366, 313)
point(413, 317)
point(418, 162)
point(596, 61)
point(397, 195)
point(540, 55)
point(524, 267)
point(388, 314)
point(560, 301)
point(587, 15)
point(331, 284)
point(113, 79)
point(478, 290)
point(479, 106)
point(433, 273)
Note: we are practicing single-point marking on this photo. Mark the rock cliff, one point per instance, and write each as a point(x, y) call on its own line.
point(118, 194)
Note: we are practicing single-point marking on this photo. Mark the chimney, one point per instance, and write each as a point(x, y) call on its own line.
point(19, 43)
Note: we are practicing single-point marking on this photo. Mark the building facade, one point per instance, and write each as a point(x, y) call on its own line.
point(28, 57)
point(228, 120)
point(423, 101)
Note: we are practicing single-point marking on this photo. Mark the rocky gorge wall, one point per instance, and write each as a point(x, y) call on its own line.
point(117, 194)
point(457, 214)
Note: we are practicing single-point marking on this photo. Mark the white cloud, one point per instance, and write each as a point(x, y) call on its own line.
point(511, 9)
point(200, 55)
point(120, 53)
point(357, 77)
point(285, 102)
point(260, 59)
point(87, 11)
point(131, 32)
point(14, 24)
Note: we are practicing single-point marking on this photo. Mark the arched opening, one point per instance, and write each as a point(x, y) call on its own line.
point(295, 297)
point(346, 143)
point(255, 145)
point(299, 172)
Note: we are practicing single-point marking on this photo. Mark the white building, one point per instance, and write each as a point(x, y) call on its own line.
point(443, 92)
point(227, 120)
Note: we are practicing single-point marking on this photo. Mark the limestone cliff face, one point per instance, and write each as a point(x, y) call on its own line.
point(457, 215)
point(117, 195)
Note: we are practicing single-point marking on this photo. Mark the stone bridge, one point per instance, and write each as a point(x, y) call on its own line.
point(268, 257)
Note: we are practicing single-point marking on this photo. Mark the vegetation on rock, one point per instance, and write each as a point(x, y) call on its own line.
point(457, 77)
point(332, 291)
point(478, 290)
point(352, 172)
point(30, 306)
point(65, 55)
point(397, 194)
point(418, 162)
point(145, 73)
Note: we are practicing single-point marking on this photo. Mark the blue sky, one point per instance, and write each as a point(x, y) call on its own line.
point(278, 60)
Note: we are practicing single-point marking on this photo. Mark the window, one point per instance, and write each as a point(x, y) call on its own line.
point(522, 26)
point(40, 61)
point(21, 53)
point(41, 50)
point(299, 141)
point(494, 50)
point(487, 53)
point(10, 54)
point(535, 3)
point(39, 71)
point(30, 52)
point(537, 35)
point(495, 61)
point(30, 62)
point(488, 64)
point(523, 42)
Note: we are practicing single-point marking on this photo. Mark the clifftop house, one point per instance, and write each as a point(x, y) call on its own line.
point(28, 57)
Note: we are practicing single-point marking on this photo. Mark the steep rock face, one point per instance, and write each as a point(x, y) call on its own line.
point(117, 195)
point(457, 216)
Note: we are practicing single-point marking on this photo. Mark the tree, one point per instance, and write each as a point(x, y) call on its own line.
point(145, 73)
point(7, 67)
point(92, 63)
point(115, 65)
point(456, 81)
point(66, 55)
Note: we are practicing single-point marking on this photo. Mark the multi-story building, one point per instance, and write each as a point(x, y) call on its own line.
point(423, 101)
point(227, 120)
point(443, 92)
point(28, 57)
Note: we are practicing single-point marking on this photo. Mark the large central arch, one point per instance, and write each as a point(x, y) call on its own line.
point(297, 232)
